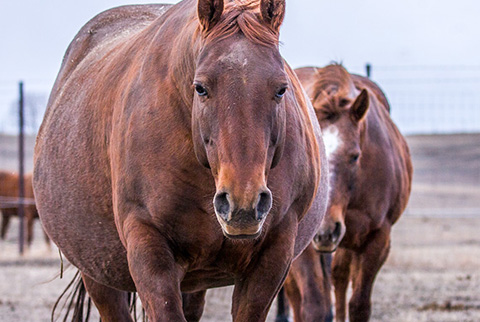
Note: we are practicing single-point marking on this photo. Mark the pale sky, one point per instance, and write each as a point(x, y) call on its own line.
point(34, 35)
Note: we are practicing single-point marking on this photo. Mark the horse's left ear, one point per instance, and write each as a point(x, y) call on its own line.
point(360, 106)
point(273, 12)
point(209, 12)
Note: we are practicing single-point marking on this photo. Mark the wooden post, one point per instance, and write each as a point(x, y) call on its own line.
point(21, 183)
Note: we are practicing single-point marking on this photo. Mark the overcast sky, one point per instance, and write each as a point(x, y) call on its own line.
point(35, 34)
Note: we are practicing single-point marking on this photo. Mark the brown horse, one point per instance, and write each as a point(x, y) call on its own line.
point(9, 189)
point(178, 153)
point(370, 175)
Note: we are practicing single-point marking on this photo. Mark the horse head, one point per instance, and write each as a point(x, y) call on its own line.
point(238, 113)
point(341, 111)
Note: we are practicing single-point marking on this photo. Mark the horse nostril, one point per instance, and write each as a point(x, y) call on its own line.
point(337, 231)
point(221, 204)
point(264, 204)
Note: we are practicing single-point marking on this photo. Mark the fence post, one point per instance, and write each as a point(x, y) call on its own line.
point(21, 183)
point(368, 69)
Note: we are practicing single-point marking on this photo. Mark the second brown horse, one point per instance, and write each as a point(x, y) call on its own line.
point(9, 191)
point(370, 174)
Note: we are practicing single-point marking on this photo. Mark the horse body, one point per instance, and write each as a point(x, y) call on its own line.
point(370, 175)
point(130, 156)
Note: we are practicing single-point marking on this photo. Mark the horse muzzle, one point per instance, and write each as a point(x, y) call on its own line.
point(327, 239)
point(242, 222)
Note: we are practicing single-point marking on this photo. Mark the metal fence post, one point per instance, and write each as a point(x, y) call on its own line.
point(368, 69)
point(21, 183)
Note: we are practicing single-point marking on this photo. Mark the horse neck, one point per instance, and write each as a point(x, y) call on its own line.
point(302, 111)
point(175, 43)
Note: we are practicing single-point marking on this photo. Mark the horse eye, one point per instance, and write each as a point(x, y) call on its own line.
point(354, 157)
point(280, 92)
point(201, 91)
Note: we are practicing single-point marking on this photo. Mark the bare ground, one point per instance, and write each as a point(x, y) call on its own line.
point(432, 274)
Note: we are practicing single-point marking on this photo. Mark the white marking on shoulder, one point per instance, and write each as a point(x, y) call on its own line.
point(332, 140)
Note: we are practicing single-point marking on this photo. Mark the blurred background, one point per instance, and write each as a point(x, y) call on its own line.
point(425, 55)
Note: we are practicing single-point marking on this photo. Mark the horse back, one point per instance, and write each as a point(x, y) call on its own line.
point(76, 128)
point(365, 82)
point(105, 31)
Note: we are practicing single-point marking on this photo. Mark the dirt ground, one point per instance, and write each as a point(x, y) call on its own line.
point(432, 274)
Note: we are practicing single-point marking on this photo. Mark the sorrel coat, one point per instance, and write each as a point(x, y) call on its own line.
point(370, 174)
point(178, 153)
point(9, 184)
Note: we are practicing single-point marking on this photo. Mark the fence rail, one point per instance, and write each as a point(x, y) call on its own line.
point(13, 202)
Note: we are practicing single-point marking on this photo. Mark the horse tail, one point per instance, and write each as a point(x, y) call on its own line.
point(132, 300)
point(74, 299)
point(326, 263)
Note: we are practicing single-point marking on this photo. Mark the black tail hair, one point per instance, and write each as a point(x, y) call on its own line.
point(75, 299)
point(78, 300)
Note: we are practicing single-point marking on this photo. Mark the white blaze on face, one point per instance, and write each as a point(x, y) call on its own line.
point(332, 140)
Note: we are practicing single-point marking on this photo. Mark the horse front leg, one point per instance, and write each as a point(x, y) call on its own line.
point(257, 287)
point(308, 288)
point(340, 279)
point(366, 266)
point(156, 274)
point(6, 214)
point(30, 216)
point(193, 304)
point(283, 308)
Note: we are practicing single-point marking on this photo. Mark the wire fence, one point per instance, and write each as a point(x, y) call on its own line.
point(424, 100)
point(36, 93)
point(432, 99)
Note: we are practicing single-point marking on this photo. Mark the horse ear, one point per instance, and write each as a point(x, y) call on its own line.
point(360, 106)
point(209, 13)
point(273, 12)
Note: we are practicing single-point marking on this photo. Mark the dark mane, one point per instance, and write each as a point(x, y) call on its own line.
point(334, 87)
point(244, 17)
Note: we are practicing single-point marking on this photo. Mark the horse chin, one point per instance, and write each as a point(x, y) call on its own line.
point(242, 236)
point(325, 248)
point(240, 232)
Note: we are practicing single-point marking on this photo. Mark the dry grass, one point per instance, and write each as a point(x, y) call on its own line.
point(432, 274)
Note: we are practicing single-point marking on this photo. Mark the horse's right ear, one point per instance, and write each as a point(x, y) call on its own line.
point(273, 12)
point(209, 13)
point(360, 106)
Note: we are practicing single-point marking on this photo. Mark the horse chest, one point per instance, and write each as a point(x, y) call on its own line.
point(220, 268)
